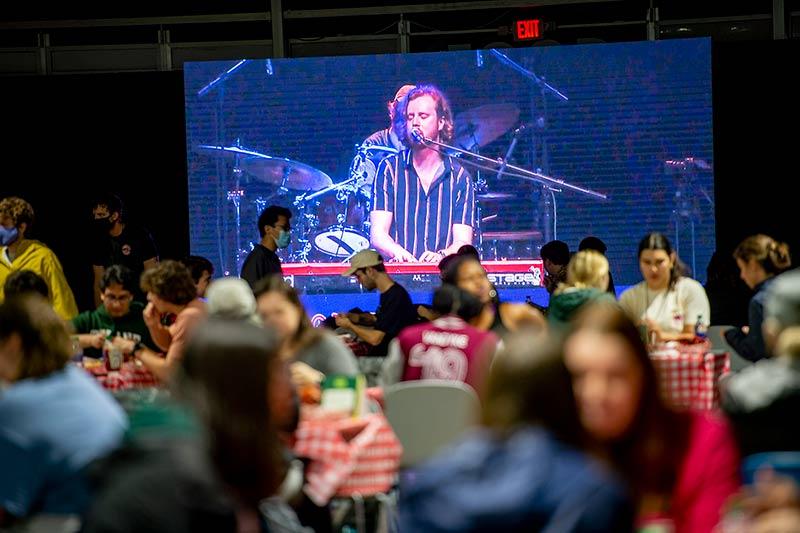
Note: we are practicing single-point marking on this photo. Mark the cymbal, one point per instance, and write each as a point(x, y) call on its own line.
point(227, 151)
point(297, 175)
point(511, 235)
point(489, 196)
point(481, 125)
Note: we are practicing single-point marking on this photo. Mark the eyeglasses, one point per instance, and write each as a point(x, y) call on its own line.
point(115, 298)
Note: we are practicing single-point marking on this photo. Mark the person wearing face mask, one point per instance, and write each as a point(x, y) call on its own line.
point(119, 243)
point(20, 253)
point(274, 227)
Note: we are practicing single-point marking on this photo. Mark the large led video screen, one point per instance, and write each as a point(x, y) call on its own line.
point(513, 148)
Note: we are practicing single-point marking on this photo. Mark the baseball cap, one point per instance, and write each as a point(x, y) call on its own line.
point(363, 259)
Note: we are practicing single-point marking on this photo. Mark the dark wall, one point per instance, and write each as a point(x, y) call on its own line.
point(65, 137)
point(755, 141)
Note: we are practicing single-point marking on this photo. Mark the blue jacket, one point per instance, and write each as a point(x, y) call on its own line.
point(751, 346)
point(526, 482)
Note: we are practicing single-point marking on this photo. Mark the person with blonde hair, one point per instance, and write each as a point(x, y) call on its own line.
point(760, 258)
point(587, 281)
point(17, 252)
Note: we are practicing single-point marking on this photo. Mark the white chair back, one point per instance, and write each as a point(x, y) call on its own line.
point(716, 336)
point(427, 415)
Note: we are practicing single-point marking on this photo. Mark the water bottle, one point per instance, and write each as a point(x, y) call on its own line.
point(700, 329)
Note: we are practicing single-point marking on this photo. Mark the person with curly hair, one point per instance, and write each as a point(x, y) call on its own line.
point(423, 201)
point(17, 252)
point(172, 313)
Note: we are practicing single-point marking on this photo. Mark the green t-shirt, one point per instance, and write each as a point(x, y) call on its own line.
point(130, 326)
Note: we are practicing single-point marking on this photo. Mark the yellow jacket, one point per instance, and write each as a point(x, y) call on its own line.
point(35, 256)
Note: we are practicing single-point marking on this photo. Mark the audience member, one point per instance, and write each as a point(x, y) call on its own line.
point(24, 282)
point(201, 270)
point(555, 256)
point(17, 252)
point(173, 312)
point(760, 258)
point(594, 243)
point(280, 308)
point(467, 273)
point(54, 419)
point(205, 462)
point(274, 227)
point(118, 242)
point(118, 316)
point(447, 348)
point(762, 399)
point(680, 467)
point(523, 470)
point(587, 281)
point(232, 298)
point(394, 312)
point(667, 302)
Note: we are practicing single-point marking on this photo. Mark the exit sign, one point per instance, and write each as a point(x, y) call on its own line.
point(528, 29)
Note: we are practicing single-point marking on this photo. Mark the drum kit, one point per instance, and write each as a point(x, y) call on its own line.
point(331, 220)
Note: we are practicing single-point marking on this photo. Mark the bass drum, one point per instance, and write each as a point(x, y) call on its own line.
point(340, 241)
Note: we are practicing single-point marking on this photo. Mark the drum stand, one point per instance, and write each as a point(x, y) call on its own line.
point(686, 210)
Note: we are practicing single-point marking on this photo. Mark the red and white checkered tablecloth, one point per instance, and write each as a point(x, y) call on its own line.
point(348, 455)
point(689, 374)
point(130, 376)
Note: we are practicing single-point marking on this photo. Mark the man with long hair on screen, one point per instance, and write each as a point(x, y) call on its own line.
point(423, 200)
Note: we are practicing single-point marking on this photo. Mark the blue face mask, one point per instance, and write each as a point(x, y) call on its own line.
point(8, 236)
point(283, 240)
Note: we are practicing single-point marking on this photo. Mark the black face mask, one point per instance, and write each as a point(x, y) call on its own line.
point(102, 225)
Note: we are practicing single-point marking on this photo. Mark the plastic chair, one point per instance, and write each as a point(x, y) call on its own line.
point(427, 415)
point(716, 336)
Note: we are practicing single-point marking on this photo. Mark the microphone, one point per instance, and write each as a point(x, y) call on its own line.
point(418, 137)
point(479, 58)
point(511, 147)
point(268, 67)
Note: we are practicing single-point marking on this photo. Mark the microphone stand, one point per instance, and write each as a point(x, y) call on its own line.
point(546, 87)
point(548, 199)
point(518, 172)
point(222, 77)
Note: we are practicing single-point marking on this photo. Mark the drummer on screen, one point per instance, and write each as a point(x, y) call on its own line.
point(377, 146)
point(423, 201)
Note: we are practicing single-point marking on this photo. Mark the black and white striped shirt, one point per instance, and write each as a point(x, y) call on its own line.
point(423, 221)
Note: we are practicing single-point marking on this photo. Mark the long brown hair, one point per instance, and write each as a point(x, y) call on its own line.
point(659, 241)
point(773, 256)
point(649, 454)
point(225, 378)
point(306, 334)
point(529, 385)
point(46, 346)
